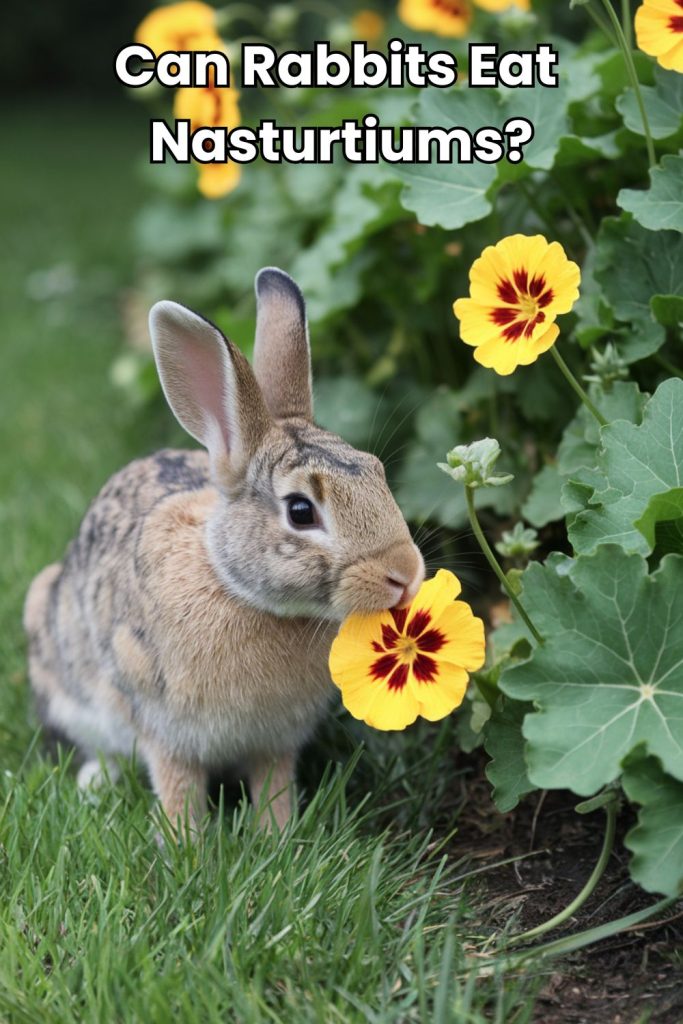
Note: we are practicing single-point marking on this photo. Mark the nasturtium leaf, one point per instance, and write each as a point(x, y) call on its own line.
point(663, 105)
point(452, 194)
point(575, 496)
point(580, 442)
point(543, 503)
point(614, 74)
point(662, 522)
point(504, 743)
point(547, 111)
point(364, 203)
point(423, 492)
point(656, 842)
point(595, 317)
point(581, 438)
point(661, 206)
point(575, 149)
point(631, 265)
point(610, 673)
point(636, 463)
point(667, 309)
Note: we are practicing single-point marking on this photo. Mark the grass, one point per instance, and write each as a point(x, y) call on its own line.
point(355, 913)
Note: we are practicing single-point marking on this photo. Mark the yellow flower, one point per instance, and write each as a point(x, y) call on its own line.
point(190, 25)
point(367, 25)
point(450, 18)
point(211, 107)
point(503, 5)
point(396, 665)
point(517, 289)
point(659, 31)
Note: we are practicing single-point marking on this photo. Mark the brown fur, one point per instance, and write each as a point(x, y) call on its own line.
point(189, 618)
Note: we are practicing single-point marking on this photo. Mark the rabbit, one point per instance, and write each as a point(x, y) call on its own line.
point(192, 616)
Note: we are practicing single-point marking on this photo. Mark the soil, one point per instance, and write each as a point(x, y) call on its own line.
point(631, 978)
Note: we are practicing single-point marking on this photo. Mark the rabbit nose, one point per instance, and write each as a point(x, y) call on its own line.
point(408, 589)
point(405, 598)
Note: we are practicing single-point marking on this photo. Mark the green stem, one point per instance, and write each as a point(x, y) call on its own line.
point(633, 75)
point(570, 943)
point(596, 875)
point(626, 22)
point(493, 562)
point(573, 383)
point(602, 24)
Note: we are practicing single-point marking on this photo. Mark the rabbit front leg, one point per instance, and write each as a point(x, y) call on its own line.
point(271, 786)
point(180, 787)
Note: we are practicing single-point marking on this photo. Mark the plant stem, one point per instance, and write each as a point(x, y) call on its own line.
point(626, 22)
point(570, 943)
point(602, 25)
point(633, 75)
point(573, 383)
point(493, 562)
point(596, 875)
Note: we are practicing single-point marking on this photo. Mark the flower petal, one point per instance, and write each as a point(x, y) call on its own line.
point(216, 180)
point(177, 26)
point(352, 650)
point(465, 644)
point(438, 699)
point(390, 709)
point(433, 597)
point(442, 20)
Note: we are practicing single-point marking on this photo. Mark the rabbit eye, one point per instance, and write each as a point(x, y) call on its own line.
point(301, 512)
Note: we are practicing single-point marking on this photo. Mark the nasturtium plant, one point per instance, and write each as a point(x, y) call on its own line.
point(661, 206)
point(635, 464)
point(507, 770)
point(609, 676)
point(656, 842)
point(633, 267)
point(663, 102)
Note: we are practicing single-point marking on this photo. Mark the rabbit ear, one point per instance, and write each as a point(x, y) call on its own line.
point(209, 385)
point(282, 355)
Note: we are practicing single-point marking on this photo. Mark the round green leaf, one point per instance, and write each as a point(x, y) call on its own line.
point(610, 674)
point(656, 842)
point(661, 206)
point(636, 463)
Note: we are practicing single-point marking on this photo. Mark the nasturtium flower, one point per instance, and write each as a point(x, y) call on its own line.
point(190, 25)
point(393, 666)
point(211, 107)
point(659, 31)
point(367, 26)
point(503, 5)
point(517, 289)
point(450, 18)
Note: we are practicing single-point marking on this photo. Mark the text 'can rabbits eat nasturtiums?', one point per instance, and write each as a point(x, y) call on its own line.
point(395, 666)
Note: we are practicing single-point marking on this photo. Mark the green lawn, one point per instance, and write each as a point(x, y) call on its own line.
point(354, 914)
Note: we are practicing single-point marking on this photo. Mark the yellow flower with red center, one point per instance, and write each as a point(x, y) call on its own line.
point(659, 31)
point(451, 18)
point(211, 107)
point(396, 665)
point(517, 289)
point(367, 26)
point(190, 25)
